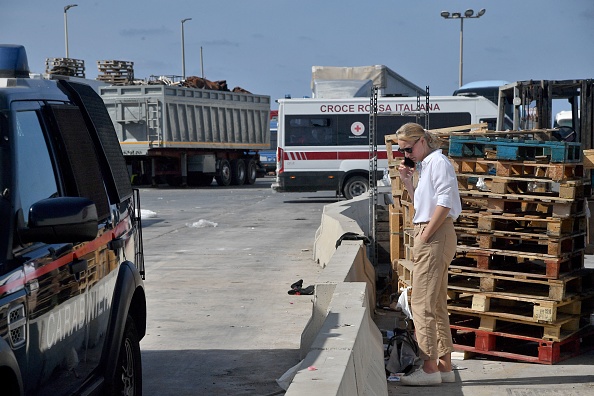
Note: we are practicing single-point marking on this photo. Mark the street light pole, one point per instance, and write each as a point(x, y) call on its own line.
point(183, 48)
point(66, 8)
point(457, 15)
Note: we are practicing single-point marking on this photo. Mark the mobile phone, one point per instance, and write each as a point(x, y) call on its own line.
point(408, 162)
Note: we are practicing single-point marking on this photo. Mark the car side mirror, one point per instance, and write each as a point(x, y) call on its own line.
point(61, 220)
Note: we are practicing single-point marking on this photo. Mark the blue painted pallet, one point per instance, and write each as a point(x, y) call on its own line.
point(514, 149)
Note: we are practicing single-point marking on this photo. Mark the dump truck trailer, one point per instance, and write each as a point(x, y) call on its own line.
point(187, 136)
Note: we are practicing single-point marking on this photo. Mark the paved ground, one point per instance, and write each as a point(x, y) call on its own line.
point(489, 377)
point(220, 321)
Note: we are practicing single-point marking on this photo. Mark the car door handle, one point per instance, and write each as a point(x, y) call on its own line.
point(78, 266)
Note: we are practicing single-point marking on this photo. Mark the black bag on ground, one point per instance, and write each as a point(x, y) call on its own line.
point(403, 352)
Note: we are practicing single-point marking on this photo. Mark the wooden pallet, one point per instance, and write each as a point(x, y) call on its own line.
point(524, 243)
point(542, 331)
point(514, 149)
point(567, 286)
point(521, 348)
point(476, 201)
point(557, 172)
point(405, 271)
point(520, 222)
point(519, 307)
point(65, 66)
point(537, 188)
point(515, 265)
point(396, 233)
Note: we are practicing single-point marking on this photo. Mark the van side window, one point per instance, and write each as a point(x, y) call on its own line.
point(306, 131)
point(34, 170)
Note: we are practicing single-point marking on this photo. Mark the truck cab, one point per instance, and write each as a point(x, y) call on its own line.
point(72, 300)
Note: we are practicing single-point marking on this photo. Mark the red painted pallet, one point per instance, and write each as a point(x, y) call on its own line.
point(525, 349)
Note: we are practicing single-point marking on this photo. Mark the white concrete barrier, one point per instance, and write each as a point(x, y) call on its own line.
point(337, 219)
point(341, 346)
point(346, 357)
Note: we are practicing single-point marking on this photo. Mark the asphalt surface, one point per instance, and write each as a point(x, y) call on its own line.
point(220, 320)
point(219, 263)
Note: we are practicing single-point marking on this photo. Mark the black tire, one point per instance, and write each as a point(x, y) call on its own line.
point(224, 176)
point(252, 172)
point(128, 374)
point(355, 186)
point(238, 172)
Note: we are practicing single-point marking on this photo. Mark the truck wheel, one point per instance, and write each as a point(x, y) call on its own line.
point(237, 172)
point(355, 186)
point(128, 377)
point(252, 172)
point(224, 176)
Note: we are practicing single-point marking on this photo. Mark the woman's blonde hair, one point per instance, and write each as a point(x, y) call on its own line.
point(411, 132)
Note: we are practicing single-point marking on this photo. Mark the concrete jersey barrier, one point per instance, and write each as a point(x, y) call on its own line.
point(341, 346)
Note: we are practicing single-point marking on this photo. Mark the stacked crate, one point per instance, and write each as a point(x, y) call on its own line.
point(116, 72)
point(65, 67)
point(400, 220)
point(518, 287)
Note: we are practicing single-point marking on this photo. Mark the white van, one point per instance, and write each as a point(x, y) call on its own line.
point(323, 144)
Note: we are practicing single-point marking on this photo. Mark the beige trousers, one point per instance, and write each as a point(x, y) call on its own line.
point(429, 290)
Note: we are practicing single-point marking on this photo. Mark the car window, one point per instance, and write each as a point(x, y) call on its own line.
point(34, 170)
point(4, 159)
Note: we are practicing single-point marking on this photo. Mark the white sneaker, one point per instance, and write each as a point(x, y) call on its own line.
point(421, 378)
point(448, 376)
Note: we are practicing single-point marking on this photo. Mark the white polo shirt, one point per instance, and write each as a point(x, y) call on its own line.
point(437, 185)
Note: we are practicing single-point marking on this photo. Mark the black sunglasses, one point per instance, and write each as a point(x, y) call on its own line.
point(408, 149)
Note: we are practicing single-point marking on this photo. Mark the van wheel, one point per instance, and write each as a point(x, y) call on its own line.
point(224, 176)
point(128, 375)
point(237, 172)
point(355, 186)
point(252, 172)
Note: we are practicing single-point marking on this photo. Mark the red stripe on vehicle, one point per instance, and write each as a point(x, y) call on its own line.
point(332, 155)
point(84, 249)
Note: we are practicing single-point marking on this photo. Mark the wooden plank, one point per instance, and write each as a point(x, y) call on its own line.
point(514, 265)
point(524, 308)
point(589, 159)
point(530, 223)
point(396, 233)
point(469, 129)
point(523, 242)
point(560, 289)
point(517, 328)
point(543, 188)
point(522, 348)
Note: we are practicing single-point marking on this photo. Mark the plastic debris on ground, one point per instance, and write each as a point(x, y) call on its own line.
point(202, 224)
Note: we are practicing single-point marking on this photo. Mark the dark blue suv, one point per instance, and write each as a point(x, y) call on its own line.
point(72, 300)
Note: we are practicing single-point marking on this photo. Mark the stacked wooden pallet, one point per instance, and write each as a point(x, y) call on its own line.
point(116, 72)
point(400, 219)
point(65, 67)
point(517, 287)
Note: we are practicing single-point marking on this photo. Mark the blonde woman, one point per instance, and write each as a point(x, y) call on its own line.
point(436, 200)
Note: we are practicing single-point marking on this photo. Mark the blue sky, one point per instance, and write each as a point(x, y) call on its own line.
point(269, 46)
